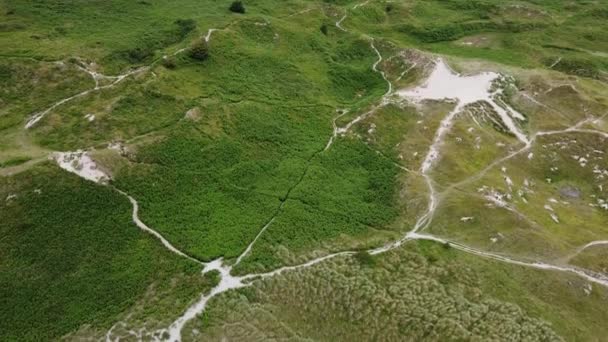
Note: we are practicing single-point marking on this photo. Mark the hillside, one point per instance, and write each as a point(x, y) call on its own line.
point(303, 170)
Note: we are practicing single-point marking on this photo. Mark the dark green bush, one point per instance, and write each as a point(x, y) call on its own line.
point(169, 63)
point(324, 29)
point(365, 259)
point(199, 50)
point(139, 54)
point(577, 66)
point(185, 26)
point(454, 31)
point(151, 41)
point(237, 7)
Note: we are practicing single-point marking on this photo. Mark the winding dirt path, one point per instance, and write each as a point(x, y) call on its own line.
point(35, 118)
point(144, 227)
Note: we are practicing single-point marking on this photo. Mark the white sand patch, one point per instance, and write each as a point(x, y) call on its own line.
point(444, 84)
point(601, 203)
point(552, 213)
point(372, 128)
point(116, 146)
point(227, 282)
point(90, 117)
point(80, 163)
point(496, 199)
point(509, 182)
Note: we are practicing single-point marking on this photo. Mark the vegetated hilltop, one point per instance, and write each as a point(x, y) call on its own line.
point(295, 136)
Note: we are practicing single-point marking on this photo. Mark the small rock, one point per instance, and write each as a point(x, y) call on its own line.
point(193, 114)
point(570, 192)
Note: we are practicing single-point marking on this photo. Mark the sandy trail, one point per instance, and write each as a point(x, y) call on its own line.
point(97, 77)
point(525, 148)
point(34, 119)
point(144, 227)
point(339, 23)
point(585, 247)
point(596, 278)
point(295, 267)
point(250, 246)
point(383, 101)
point(336, 130)
point(361, 4)
point(375, 68)
point(209, 33)
point(227, 282)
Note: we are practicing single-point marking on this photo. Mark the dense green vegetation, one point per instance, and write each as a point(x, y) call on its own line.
point(347, 190)
point(421, 292)
point(69, 255)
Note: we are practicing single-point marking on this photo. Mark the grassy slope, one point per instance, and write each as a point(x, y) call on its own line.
point(70, 255)
point(528, 34)
point(266, 111)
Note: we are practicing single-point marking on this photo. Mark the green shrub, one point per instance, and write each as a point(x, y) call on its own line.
point(185, 26)
point(324, 29)
point(237, 7)
point(169, 63)
point(199, 50)
point(578, 66)
point(15, 161)
point(139, 54)
point(454, 31)
point(365, 259)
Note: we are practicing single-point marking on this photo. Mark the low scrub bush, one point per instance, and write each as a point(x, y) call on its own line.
point(237, 7)
point(199, 50)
